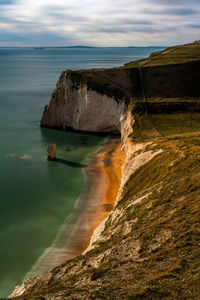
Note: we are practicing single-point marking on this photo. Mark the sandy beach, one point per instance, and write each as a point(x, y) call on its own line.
point(103, 177)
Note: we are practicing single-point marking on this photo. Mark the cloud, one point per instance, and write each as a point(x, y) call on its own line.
point(177, 11)
point(6, 2)
point(103, 22)
point(196, 26)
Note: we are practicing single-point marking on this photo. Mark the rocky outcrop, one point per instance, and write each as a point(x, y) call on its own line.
point(51, 152)
point(74, 105)
point(97, 100)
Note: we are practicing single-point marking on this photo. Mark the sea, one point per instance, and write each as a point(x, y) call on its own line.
point(37, 196)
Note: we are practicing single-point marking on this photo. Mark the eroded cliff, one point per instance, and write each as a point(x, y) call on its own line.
point(81, 104)
point(148, 246)
point(97, 100)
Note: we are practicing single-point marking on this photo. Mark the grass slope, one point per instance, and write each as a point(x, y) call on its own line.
point(150, 250)
point(172, 55)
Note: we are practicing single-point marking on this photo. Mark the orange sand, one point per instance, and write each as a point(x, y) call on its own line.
point(104, 174)
point(106, 165)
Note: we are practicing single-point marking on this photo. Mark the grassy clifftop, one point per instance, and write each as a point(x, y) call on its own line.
point(170, 74)
point(172, 55)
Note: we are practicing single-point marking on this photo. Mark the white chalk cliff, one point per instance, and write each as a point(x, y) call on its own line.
point(80, 108)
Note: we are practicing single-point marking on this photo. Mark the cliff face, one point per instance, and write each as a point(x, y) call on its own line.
point(97, 100)
point(75, 105)
point(148, 246)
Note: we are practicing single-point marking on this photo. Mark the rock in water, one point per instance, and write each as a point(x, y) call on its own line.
point(51, 152)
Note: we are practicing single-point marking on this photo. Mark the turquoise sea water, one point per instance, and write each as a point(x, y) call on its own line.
point(35, 195)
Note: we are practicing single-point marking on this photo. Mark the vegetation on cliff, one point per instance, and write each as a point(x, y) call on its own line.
point(160, 87)
point(173, 55)
point(149, 244)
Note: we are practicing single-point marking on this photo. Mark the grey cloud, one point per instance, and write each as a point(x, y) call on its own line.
point(196, 26)
point(133, 21)
point(29, 36)
point(172, 11)
point(92, 20)
point(65, 16)
point(6, 2)
point(111, 30)
point(175, 2)
point(125, 29)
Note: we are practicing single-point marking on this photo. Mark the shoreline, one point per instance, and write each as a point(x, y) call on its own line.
point(102, 181)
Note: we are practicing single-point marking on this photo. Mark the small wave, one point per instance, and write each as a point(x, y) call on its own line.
point(59, 251)
point(25, 156)
point(10, 155)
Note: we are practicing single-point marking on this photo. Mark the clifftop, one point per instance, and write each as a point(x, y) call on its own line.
point(173, 55)
point(95, 100)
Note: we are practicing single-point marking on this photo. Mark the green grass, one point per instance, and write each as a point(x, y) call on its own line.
point(173, 55)
point(133, 64)
point(164, 226)
point(176, 123)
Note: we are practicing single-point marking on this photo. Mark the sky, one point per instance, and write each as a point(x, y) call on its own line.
point(99, 22)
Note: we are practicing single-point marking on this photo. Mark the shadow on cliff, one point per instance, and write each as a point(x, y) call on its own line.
point(70, 163)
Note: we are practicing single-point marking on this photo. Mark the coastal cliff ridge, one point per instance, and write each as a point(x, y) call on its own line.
point(148, 246)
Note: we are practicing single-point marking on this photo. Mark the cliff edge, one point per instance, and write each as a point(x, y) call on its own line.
point(97, 100)
point(148, 246)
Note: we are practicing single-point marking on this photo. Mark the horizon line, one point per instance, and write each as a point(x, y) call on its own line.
point(74, 46)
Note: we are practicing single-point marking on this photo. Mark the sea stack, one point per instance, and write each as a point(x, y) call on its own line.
point(51, 152)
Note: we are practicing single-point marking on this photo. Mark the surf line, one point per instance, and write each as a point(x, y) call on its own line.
point(102, 180)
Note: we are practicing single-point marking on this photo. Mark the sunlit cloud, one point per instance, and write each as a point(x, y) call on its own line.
point(98, 23)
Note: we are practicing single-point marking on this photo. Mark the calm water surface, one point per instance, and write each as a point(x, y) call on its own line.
point(36, 196)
